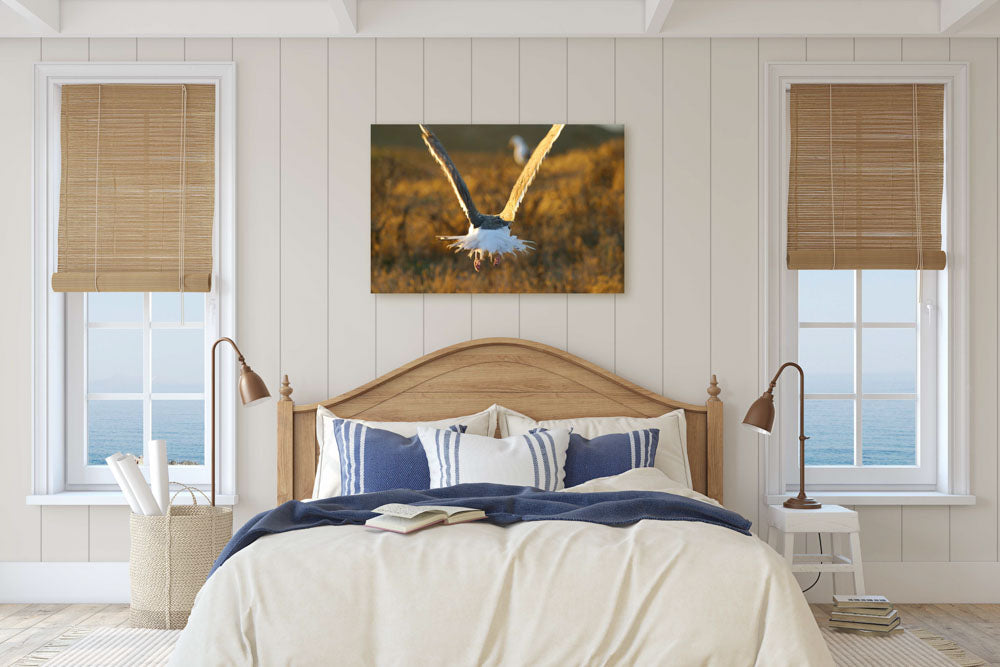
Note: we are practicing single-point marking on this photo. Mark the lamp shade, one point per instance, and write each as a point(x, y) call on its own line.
point(760, 416)
point(252, 388)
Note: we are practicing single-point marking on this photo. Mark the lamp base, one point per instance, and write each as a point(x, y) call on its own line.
point(802, 504)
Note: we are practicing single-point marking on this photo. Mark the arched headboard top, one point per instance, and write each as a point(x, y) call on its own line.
point(536, 379)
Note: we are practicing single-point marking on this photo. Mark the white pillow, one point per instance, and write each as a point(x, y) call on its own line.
point(536, 459)
point(639, 479)
point(671, 452)
point(327, 482)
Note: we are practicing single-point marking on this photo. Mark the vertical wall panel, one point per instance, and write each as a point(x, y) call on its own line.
point(877, 49)
point(77, 48)
point(926, 48)
point(65, 532)
point(639, 312)
point(112, 48)
point(400, 99)
point(258, 266)
point(830, 48)
point(925, 534)
point(108, 538)
point(208, 49)
point(352, 306)
point(687, 201)
point(304, 261)
point(542, 100)
point(16, 58)
point(881, 533)
point(734, 255)
point(974, 529)
point(590, 95)
point(495, 100)
point(156, 48)
point(448, 99)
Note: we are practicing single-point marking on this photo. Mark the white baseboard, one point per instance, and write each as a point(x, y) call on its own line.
point(64, 582)
point(957, 582)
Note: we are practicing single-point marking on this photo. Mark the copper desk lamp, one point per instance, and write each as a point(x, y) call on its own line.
point(760, 418)
point(252, 390)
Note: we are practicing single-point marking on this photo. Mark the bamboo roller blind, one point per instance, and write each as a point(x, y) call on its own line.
point(137, 195)
point(866, 176)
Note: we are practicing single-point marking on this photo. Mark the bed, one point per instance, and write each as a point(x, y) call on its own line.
point(546, 592)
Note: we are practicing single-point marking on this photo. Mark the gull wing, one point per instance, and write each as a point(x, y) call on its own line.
point(451, 173)
point(529, 172)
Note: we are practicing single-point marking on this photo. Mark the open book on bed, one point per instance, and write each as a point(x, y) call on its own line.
point(402, 518)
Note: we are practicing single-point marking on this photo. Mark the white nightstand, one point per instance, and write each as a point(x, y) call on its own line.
point(832, 519)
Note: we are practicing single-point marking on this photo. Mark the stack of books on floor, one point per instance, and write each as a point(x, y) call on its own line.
point(864, 613)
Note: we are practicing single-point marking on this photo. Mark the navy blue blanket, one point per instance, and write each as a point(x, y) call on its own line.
point(503, 505)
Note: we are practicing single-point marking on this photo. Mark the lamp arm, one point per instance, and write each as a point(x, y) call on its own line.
point(803, 501)
point(238, 353)
point(242, 361)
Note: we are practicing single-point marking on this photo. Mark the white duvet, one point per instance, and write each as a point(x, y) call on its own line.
point(538, 593)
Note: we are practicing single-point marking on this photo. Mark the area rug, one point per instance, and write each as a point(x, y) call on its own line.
point(100, 647)
point(912, 647)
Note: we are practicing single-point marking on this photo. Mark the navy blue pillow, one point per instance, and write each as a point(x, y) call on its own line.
point(372, 459)
point(609, 454)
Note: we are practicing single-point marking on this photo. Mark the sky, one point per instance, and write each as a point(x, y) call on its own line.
point(889, 356)
point(115, 355)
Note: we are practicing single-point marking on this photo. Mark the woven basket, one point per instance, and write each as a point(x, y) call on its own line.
point(170, 559)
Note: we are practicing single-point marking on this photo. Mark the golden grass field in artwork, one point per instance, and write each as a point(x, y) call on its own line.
point(574, 211)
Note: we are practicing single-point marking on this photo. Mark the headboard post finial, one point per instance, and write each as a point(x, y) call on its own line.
point(286, 389)
point(713, 389)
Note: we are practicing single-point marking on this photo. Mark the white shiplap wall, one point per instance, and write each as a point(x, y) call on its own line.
point(690, 107)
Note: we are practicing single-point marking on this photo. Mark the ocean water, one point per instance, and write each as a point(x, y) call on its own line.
point(888, 432)
point(116, 426)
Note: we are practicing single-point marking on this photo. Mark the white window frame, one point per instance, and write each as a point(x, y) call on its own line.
point(50, 482)
point(945, 311)
point(80, 475)
point(921, 476)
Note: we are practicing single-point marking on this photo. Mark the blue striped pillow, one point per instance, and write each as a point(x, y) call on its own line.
point(372, 459)
point(536, 459)
point(608, 455)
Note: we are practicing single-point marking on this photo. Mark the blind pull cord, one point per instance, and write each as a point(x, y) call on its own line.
point(916, 184)
point(833, 205)
point(97, 187)
point(180, 243)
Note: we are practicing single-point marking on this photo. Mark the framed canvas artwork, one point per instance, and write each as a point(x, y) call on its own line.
point(497, 208)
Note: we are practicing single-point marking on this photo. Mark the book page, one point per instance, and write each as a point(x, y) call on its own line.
point(406, 511)
point(449, 510)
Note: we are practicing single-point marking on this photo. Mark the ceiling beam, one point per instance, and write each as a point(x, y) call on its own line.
point(43, 14)
point(347, 15)
point(958, 14)
point(656, 15)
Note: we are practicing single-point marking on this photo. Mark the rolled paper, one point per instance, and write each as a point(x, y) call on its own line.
point(147, 503)
point(113, 466)
point(158, 474)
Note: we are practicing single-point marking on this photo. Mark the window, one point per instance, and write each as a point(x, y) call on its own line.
point(114, 369)
point(884, 350)
point(861, 339)
point(140, 358)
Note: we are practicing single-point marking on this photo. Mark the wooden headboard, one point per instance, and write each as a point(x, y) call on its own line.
point(538, 380)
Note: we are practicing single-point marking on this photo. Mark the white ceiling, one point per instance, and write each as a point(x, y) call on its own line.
point(497, 18)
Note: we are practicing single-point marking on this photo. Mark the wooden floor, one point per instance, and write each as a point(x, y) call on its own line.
point(26, 627)
point(974, 627)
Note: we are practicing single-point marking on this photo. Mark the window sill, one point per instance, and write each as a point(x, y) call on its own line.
point(115, 498)
point(881, 498)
